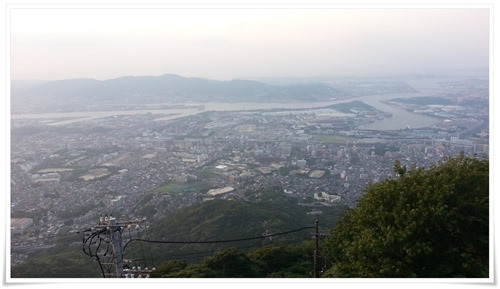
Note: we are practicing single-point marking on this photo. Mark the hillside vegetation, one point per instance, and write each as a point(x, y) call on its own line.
point(228, 220)
point(427, 223)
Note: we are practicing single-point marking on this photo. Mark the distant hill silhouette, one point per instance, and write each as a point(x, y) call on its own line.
point(164, 88)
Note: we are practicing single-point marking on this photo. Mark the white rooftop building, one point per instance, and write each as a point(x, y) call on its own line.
point(326, 197)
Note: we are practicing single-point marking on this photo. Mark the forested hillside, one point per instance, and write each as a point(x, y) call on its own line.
point(221, 220)
point(427, 223)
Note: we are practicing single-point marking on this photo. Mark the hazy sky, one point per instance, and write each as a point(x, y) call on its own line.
point(241, 43)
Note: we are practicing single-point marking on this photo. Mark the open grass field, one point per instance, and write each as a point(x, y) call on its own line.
point(190, 187)
point(332, 139)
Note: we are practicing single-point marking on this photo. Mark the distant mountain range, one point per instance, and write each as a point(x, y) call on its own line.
point(61, 94)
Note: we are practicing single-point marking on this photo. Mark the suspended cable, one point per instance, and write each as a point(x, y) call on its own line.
point(216, 241)
point(100, 265)
point(150, 244)
point(201, 254)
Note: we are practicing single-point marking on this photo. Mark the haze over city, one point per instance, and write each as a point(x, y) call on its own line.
point(229, 43)
point(249, 141)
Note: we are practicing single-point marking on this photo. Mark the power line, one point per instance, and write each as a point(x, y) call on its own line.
point(110, 232)
point(198, 254)
point(150, 245)
point(216, 241)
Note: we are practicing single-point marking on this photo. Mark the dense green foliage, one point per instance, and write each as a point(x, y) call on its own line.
point(273, 261)
point(228, 220)
point(284, 256)
point(427, 223)
point(67, 264)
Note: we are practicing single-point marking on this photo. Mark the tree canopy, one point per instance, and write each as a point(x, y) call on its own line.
point(427, 223)
point(272, 261)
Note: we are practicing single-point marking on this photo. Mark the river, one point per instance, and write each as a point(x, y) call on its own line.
point(400, 119)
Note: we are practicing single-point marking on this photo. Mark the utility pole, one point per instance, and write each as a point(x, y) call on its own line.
point(104, 242)
point(316, 249)
point(117, 245)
